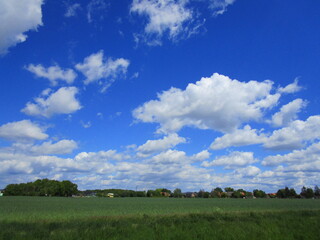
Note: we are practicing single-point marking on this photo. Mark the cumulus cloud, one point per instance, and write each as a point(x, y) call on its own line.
point(169, 157)
point(295, 135)
point(96, 67)
point(288, 112)
point(11, 163)
point(310, 154)
point(22, 131)
point(232, 160)
point(305, 167)
point(220, 6)
point(291, 88)
point(62, 101)
point(217, 103)
point(201, 155)
point(53, 73)
point(15, 167)
point(164, 16)
point(16, 18)
point(101, 156)
point(240, 137)
point(172, 168)
point(153, 146)
point(61, 147)
point(249, 171)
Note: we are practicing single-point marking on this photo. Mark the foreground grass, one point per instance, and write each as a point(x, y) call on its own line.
point(232, 225)
point(145, 218)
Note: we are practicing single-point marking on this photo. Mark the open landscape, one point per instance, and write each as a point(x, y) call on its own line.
point(158, 218)
point(159, 119)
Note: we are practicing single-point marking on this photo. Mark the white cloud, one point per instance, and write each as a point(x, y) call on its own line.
point(62, 101)
point(310, 154)
point(288, 112)
point(295, 134)
point(249, 171)
point(61, 147)
point(22, 131)
point(153, 146)
point(46, 92)
point(53, 73)
point(101, 156)
point(164, 16)
point(291, 88)
point(240, 137)
point(172, 168)
point(72, 10)
point(16, 18)
point(170, 157)
point(12, 163)
point(201, 155)
point(217, 103)
point(232, 160)
point(220, 6)
point(15, 167)
point(305, 167)
point(95, 67)
point(105, 171)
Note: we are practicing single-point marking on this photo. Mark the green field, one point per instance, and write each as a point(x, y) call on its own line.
point(158, 218)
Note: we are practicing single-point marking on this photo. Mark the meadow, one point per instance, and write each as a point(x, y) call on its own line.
point(158, 218)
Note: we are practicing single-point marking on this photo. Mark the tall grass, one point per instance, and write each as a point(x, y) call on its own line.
point(145, 218)
point(248, 225)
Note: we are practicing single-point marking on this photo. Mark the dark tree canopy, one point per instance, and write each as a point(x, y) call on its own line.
point(216, 193)
point(42, 187)
point(259, 193)
point(286, 193)
point(229, 189)
point(307, 192)
point(316, 191)
point(177, 193)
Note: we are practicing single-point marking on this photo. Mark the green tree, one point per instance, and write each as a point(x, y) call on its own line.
point(228, 189)
point(286, 193)
point(259, 193)
point(42, 187)
point(216, 193)
point(240, 193)
point(177, 193)
point(281, 193)
point(307, 192)
point(316, 191)
point(224, 195)
point(203, 194)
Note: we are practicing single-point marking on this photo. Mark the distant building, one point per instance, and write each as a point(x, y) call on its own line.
point(165, 194)
point(190, 194)
point(1, 194)
point(110, 195)
point(229, 194)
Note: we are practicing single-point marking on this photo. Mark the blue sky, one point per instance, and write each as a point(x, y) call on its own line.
point(141, 94)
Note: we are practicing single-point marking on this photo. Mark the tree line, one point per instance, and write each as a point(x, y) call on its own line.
point(218, 192)
point(46, 187)
point(42, 187)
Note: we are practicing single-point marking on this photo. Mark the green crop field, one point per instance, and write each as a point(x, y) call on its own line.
point(158, 218)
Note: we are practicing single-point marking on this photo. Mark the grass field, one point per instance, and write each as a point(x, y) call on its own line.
point(158, 218)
